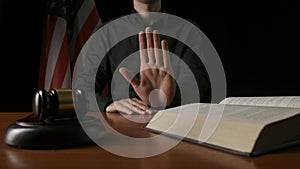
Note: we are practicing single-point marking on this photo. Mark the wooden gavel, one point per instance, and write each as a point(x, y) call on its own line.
point(57, 103)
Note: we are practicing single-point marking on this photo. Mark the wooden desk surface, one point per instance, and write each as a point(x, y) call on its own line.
point(184, 155)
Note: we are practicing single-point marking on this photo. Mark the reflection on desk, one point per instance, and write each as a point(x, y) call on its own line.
point(183, 155)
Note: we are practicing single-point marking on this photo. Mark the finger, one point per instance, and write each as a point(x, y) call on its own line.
point(121, 107)
point(129, 76)
point(133, 106)
point(150, 51)
point(143, 47)
point(140, 105)
point(138, 109)
point(166, 57)
point(145, 106)
point(127, 106)
point(157, 49)
point(111, 108)
point(140, 102)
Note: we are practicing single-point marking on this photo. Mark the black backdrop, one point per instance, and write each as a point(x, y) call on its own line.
point(258, 42)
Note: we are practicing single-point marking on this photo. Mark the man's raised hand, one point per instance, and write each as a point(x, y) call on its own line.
point(155, 86)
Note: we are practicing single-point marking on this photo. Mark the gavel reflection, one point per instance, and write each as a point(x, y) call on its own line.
point(57, 103)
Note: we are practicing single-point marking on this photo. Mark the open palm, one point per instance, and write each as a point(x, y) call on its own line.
point(155, 86)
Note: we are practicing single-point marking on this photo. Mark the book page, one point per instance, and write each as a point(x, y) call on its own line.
point(273, 101)
point(238, 128)
point(257, 114)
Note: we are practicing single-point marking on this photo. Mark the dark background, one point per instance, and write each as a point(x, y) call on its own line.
point(257, 41)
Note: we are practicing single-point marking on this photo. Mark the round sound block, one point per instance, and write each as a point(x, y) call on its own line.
point(31, 133)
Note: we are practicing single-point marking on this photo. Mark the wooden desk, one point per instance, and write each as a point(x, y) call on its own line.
point(184, 155)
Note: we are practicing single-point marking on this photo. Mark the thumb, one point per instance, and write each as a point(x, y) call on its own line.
point(129, 76)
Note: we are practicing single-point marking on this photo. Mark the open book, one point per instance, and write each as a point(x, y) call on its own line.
point(243, 125)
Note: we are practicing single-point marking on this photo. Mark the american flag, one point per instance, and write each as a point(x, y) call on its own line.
point(67, 26)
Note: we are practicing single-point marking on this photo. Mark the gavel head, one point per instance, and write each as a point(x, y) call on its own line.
point(56, 103)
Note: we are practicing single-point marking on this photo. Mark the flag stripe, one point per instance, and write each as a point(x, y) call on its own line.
point(54, 49)
point(83, 13)
point(47, 36)
point(86, 21)
point(79, 18)
point(85, 32)
point(67, 79)
point(60, 71)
